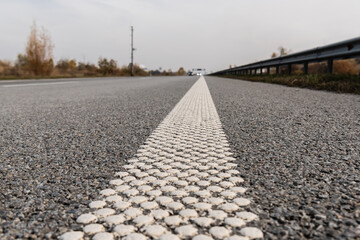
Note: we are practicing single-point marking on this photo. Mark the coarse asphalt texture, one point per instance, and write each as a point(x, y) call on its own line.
point(298, 150)
point(63, 140)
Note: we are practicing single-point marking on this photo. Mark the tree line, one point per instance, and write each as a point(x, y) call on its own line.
point(38, 61)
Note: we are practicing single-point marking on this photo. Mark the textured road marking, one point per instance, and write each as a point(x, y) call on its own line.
point(180, 185)
point(36, 84)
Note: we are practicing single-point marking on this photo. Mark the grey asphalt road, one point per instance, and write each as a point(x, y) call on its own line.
point(62, 140)
point(299, 153)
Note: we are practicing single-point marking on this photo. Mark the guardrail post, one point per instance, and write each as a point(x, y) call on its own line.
point(289, 68)
point(330, 66)
point(277, 69)
point(306, 67)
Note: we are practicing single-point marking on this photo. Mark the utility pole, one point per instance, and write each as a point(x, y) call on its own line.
point(132, 51)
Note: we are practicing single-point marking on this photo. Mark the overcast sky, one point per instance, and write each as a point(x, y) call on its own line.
point(209, 34)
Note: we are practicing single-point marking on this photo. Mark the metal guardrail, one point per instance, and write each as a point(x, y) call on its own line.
point(341, 50)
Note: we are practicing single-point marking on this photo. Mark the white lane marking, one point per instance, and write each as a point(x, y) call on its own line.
point(35, 84)
point(180, 184)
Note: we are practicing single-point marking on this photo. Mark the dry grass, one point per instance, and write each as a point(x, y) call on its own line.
point(331, 82)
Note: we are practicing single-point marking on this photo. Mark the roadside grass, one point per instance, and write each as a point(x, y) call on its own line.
point(55, 77)
point(339, 83)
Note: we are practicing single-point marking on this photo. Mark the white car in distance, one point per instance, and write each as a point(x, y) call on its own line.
point(198, 72)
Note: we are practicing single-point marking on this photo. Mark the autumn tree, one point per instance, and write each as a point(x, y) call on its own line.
point(274, 55)
point(107, 67)
point(282, 52)
point(66, 66)
point(181, 72)
point(39, 51)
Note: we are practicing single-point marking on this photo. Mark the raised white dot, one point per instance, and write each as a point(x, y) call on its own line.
point(104, 212)
point(175, 206)
point(141, 174)
point(136, 183)
point(252, 232)
point(168, 188)
point(135, 236)
point(86, 218)
point(236, 180)
point(121, 174)
point(103, 236)
point(163, 200)
point(160, 214)
point(169, 237)
point(107, 192)
point(138, 199)
point(237, 237)
point(171, 179)
point(193, 179)
point(203, 221)
point(129, 179)
point(234, 222)
point(242, 201)
point(116, 182)
point(215, 201)
point(203, 193)
point(186, 231)
point(149, 205)
point(97, 204)
point(188, 213)
point(228, 194)
point(75, 235)
point(226, 184)
point(161, 174)
point(178, 193)
point(124, 230)
point(143, 220)
point(154, 193)
point(202, 174)
point(122, 205)
point(215, 179)
point(229, 207)
point(122, 188)
point(173, 220)
point(202, 206)
point(114, 219)
point(131, 192)
point(113, 199)
point(93, 228)
point(128, 166)
point(247, 216)
point(215, 189)
point(218, 214)
point(192, 188)
point(144, 188)
point(238, 189)
point(150, 179)
point(190, 200)
point(202, 237)
point(203, 183)
point(133, 212)
point(219, 232)
point(155, 231)
point(181, 183)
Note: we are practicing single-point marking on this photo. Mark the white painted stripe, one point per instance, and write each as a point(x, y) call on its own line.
point(181, 183)
point(35, 84)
